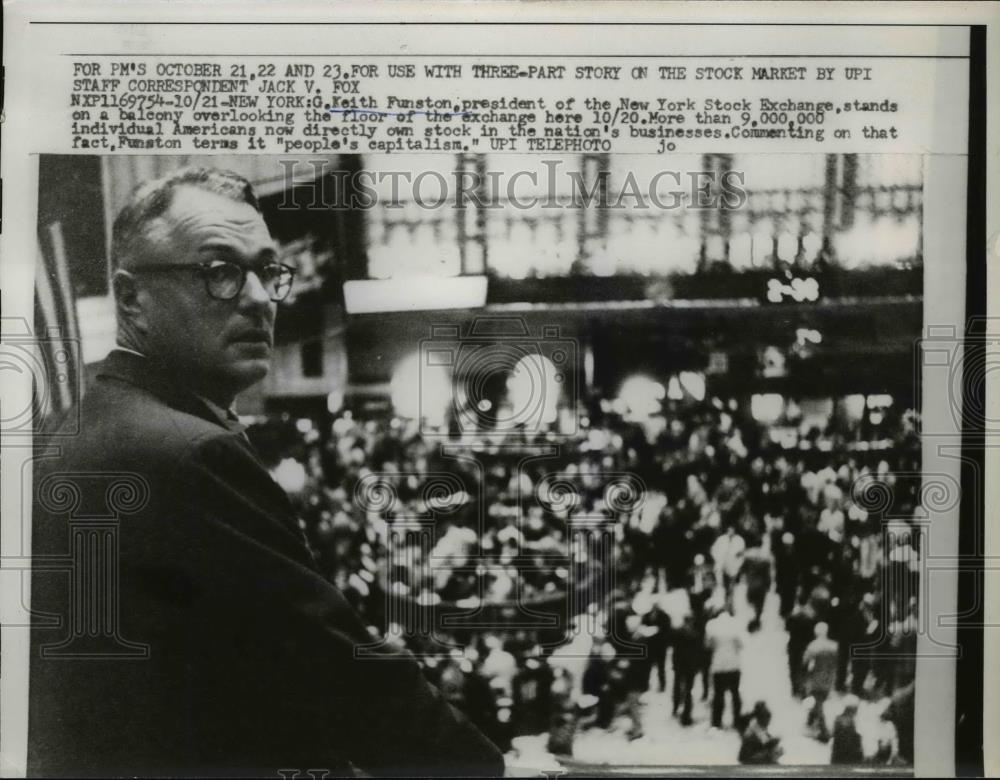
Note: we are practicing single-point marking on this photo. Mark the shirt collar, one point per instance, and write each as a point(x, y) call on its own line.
point(131, 351)
point(227, 417)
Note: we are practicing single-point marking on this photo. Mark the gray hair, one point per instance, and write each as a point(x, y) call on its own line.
point(151, 199)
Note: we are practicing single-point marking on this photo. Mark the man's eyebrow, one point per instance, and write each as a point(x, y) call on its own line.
point(266, 254)
point(222, 249)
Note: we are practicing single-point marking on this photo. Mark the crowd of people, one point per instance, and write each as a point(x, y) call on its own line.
point(548, 582)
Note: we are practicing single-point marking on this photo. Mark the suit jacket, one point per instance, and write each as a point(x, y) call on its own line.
point(213, 645)
point(847, 745)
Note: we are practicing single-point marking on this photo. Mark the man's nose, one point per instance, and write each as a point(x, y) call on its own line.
point(254, 292)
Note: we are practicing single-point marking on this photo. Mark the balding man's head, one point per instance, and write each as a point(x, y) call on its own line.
point(139, 219)
point(197, 279)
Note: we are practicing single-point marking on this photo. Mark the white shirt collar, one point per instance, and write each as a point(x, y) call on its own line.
point(129, 350)
point(225, 415)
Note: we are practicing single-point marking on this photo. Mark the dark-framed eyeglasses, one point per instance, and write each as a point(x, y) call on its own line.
point(224, 279)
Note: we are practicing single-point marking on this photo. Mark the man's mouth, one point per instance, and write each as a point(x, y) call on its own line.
point(253, 336)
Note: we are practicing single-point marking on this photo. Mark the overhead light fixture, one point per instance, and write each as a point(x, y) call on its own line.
point(415, 293)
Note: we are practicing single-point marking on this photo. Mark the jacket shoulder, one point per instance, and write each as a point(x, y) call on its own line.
point(120, 425)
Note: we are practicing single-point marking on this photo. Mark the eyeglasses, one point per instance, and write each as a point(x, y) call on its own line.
point(224, 279)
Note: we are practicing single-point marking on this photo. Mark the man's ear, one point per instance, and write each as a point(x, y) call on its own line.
point(127, 301)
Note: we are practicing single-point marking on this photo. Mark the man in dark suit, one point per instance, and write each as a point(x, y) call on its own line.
point(230, 654)
point(847, 745)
